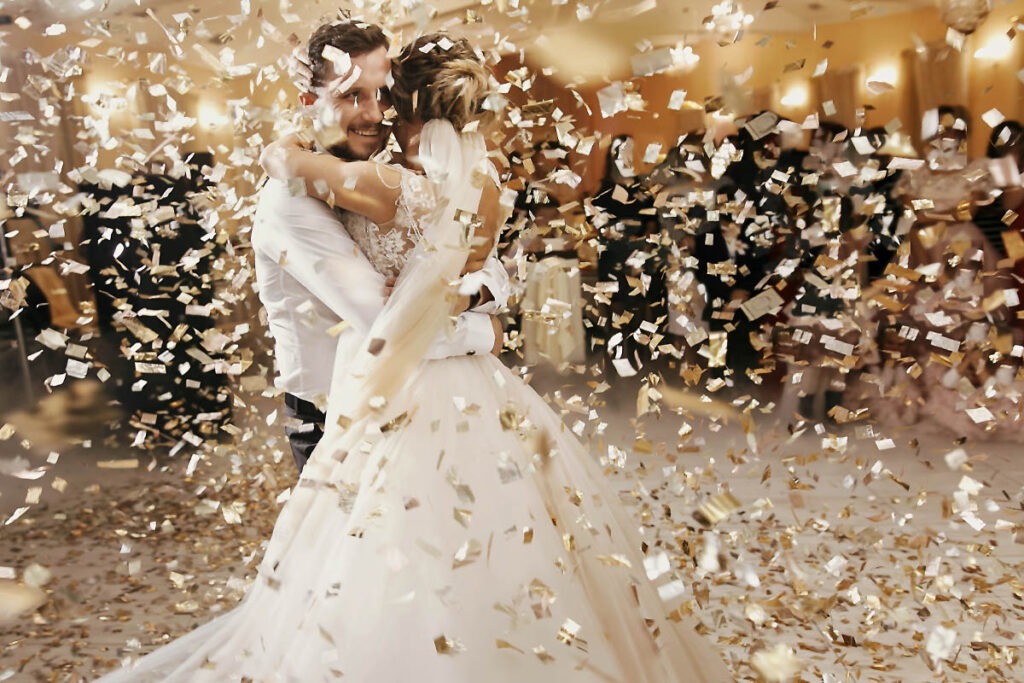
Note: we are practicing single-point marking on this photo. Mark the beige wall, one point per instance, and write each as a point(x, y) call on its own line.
point(864, 45)
point(868, 45)
point(131, 113)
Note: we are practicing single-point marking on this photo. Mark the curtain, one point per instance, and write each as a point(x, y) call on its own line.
point(36, 133)
point(938, 75)
point(842, 89)
point(762, 99)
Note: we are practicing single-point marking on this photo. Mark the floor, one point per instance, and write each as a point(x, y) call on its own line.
point(851, 555)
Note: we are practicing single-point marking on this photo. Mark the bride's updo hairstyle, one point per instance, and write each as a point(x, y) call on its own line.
point(436, 77)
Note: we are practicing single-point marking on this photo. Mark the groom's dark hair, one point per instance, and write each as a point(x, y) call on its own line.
point(353, 37)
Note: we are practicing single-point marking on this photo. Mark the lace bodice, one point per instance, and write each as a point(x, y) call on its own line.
point(388, 246)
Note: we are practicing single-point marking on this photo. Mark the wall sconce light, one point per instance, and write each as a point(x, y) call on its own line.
point(996, 49)
point(105, 100)
point(796, 96)
point(885, 73)
point(211, 115)
point(882, 79)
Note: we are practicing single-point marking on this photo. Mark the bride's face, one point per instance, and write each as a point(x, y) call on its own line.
point(407, 134)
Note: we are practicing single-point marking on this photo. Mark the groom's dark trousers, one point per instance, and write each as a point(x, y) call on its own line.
point(304, 438)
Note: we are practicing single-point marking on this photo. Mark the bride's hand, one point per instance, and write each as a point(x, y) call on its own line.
point(299, 69)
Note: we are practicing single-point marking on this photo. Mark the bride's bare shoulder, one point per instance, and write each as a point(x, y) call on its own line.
point(492, 212)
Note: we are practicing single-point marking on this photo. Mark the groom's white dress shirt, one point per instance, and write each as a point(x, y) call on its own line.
point(312, 276)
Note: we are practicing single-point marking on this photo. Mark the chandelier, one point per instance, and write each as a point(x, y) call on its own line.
point(727, 21)
point(964, 16)
point(683, 57)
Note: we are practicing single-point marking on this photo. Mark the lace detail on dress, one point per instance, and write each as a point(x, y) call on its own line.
point(388, 246)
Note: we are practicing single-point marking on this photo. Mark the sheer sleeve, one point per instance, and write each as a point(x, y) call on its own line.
point(417, 202)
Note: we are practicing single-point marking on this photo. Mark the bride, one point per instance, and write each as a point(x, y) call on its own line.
point(448, 528)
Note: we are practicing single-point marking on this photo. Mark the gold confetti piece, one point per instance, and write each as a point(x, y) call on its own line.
point(716, 508)
point(468, 553)
point(505, 645)
point(568, 633)
point(899, 271)
point(397, 423)
point(447, 646)
point(616, 560)
point(335, 330)
point(124, 464)
point(186, 607)
point(462, 516)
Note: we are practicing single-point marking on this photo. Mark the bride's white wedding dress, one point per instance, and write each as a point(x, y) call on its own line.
point(467, 537)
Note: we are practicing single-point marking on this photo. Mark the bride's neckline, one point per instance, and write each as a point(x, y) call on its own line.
point(398, 159)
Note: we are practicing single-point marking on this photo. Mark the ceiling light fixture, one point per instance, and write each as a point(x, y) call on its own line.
point(727, 21)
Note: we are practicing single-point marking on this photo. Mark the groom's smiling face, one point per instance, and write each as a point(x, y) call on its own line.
point(359, 104)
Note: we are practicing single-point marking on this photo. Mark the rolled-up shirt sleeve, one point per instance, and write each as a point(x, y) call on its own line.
point(473, 334)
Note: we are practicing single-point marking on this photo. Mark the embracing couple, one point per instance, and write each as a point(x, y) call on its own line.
point(446, 526)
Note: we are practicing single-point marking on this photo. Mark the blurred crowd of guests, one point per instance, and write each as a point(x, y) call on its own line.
point(874, 279)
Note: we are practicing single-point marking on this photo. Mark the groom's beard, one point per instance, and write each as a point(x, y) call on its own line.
point(343, 152)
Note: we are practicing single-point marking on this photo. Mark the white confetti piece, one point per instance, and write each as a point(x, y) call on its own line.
point(940, 643)
point(980, 415)
point(956, 459)
point(993, 117)
point(676, 100)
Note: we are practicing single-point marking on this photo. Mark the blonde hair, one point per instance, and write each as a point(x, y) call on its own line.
point(436, 77)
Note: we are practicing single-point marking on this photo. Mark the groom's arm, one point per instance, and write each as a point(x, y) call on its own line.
point(306, 239)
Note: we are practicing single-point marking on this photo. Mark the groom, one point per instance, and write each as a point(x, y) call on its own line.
point(320, 291)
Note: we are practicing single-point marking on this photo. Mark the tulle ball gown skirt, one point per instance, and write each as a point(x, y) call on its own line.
point(470, 538)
